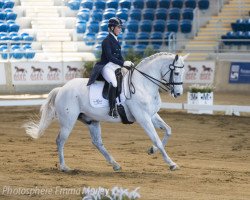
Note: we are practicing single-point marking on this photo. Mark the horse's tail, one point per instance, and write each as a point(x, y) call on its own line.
point(35, 129)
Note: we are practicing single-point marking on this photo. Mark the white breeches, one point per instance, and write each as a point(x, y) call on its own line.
point(108, 73)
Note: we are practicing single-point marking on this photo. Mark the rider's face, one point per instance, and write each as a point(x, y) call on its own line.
point(117, 30)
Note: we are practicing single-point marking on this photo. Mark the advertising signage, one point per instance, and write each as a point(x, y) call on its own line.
point(239, 73)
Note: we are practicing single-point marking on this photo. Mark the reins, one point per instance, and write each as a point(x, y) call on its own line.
point(167, 85)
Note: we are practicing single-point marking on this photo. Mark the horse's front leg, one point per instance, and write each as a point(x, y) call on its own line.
point(148, 126)
point(159, 123)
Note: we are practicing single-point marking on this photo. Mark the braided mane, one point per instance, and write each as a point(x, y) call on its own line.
point(154, 56)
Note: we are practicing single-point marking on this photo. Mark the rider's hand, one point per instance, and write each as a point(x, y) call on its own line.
point(128, 64)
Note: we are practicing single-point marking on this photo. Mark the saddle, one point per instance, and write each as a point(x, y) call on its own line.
point(105, 95)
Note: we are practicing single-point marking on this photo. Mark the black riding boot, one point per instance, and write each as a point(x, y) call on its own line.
point(112, 100)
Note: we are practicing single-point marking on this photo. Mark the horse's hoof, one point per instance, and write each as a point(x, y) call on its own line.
point(66, 169)
point(174, 167)
point(117, 168)
point(151, 150)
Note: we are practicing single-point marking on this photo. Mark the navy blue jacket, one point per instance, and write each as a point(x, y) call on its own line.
point(111, 52)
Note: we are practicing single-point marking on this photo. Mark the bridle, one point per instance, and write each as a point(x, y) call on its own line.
point(166, 85)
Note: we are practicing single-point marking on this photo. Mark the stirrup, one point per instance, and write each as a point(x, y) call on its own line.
point(113, 113)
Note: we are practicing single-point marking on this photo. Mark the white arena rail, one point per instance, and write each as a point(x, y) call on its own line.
point(228, 109)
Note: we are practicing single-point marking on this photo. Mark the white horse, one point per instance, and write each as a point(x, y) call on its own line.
point(71, 103)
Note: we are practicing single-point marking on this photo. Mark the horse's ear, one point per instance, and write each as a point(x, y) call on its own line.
point(176, 57)
point(185, 57)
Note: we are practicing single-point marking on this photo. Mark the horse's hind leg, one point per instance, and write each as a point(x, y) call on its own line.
point(95, 133)
point(65, 130)
point(159, 123)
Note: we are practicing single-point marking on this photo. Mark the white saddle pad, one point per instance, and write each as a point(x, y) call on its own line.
point(95, 95)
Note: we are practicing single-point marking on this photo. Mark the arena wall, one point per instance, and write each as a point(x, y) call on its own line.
point(11, 86)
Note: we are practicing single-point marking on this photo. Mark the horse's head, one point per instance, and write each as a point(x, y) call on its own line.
point(173, 75)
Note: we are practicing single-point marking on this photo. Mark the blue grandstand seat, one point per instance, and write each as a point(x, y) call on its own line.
point(4, 51)
point(16, 38)
point(229, 37)
point(74, 5)
point(104, 25)
point(93, 27)
point(132, 26)
point(3, 15)
point(203, 4)
point(146, 26)
point(186, 26)
point(161, 13)
point(28, 39)
point(140, 48)
point(143, 38)
point(151, 4)
point(101, 36)
point(159, 25)
point(7, 10)
point(8, 4)
point(188, 13)
point(174, 13)
point(29, 53)
point(11, 16)
point(247, 37)
point(4, 27)
point(81, 27)
point(100, 4)
point(89, 38)
point(5, 37)
point(135, 14)
point(87, 4)
point(17, 52)
point(126, 48)
point(130, 36)
point(164, 4)
point(172, 25)
point(148, 13)
point(108, 13)
point(122, 14)
point(112, 4)
point(12, 26)
point(1, 4)
point(190, 4)
point(83, 14)
point(138, 4)
point(177, 3)
point(241, 25)
point(125, 4)
point(156, 36)
point(240, 35)
point(97, 15)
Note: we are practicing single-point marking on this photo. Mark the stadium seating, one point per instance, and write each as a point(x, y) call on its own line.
point(100, 36)
point(186, 26)
point(97, 15)
point(100, 4)
point(133, 26)
point(93, 27)
point(177, 3)
point(172, 25)
point(74, 4)
point(109, 13)
point(135, 14)
point(125, 4)
point(87, 4)
point(104, 25)
point(161, 13)
point(164, 3)
point(148, 14)
point(143, 38)
point(112, 4)
point(81, 26)
point(89, 38)
point(188, 13)
point(122, 14)
point(156, 36)
point(174, 13)
point(203, 4)
point(130, 36)
point(83, 14)
point(190, 4)
point(138, 4)
point(159, 25)
point(146, 26)
point(151, 4)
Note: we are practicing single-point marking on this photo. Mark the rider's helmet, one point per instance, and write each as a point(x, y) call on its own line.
point(113, 22)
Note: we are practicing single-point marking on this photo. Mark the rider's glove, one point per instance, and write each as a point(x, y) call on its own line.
point(128, 64)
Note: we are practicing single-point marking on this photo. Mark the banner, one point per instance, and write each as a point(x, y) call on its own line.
point(239, 73)
point(2, 75)
point(199, 72)
point(43, 73)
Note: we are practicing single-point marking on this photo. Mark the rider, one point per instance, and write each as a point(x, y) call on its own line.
point(111, 60)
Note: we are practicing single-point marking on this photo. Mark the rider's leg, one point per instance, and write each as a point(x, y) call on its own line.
point(108, 74)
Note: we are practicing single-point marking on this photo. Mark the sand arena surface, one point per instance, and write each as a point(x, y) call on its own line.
point(212, 151)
